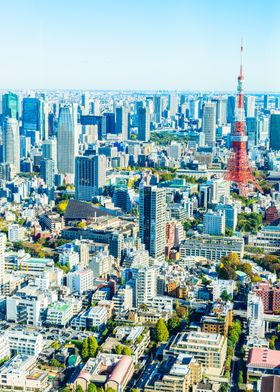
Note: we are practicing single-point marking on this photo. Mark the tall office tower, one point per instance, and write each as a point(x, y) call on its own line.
point(173, 104)
point(277, 103)
point(194, 109)
point(49, 149)
point(85, 101)
point(95, 107)
point(230, 109)
point(10, 105)
point(152, 219)
point(274, 131)
point(221, 111)
point(144, 124)
point(252, 131)
point(266, 102)
point(67, 140)
point(263, 129)
point(11, 143)
point(250, 106)
point(238, 168)
point(3, 240)
point(33, 116)
point(158, 108)
point(145, 284)
point(122, 122)
point(25, 146)
point(47, 171)
point(110, 122)
point(209, 123)
point(90, 176)
point(214, 223)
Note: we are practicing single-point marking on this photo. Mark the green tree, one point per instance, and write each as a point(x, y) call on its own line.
point(119, 349)
point(272, 342)
point(126, 351)
point(92, 388)
point(56, 345)
point(61, 207)
point(85, 349)
point(174, 324)
point(162, 334)
point(240, 377)
point(54, 362)
point(93, 346)
point(110, 390)
point(79, 389)
point(225, 296)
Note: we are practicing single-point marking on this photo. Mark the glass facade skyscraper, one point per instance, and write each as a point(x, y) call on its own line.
point(11, 143)
point(10, 105)
point(67, 140)
point(90, 176)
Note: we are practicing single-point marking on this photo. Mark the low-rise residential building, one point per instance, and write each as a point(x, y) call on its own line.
point(25, 342)
point(207, 348)
point(179, 374)
point(59, 314)
point(95, 317)
point(20, 374)
point(80, 281)
point(212, 248)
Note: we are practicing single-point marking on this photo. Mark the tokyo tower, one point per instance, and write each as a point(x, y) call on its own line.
point(238, 169)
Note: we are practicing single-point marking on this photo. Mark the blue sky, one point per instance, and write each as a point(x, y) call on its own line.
point(147, 44)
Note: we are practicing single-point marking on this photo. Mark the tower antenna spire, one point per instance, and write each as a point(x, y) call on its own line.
point(238, 170)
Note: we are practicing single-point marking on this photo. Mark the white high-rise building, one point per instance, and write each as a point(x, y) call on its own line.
point(255, 313)
point(214, 223)
point(145, 284)
point(209, 123)
point(194, 109)
point(250, 106)
point(11, 143)
point(255, 309)
point(173, 104)
point(67, 140)
point(49, 150)
point(3, 240)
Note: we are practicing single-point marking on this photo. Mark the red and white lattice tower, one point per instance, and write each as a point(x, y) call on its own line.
point(238, 169)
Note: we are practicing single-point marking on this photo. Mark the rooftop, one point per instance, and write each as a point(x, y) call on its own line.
point(263, 357)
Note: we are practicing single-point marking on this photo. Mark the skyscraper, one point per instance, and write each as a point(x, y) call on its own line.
point(230, 109)
point(11, 143)
point(209, 123)
point(49, 150)
point(47, 171)
point(274, 131)
point(152, 219)
point(250, 106)
point(10, 105)
point(67, 140)
point(158, 108)
point(173, 104)
point(265, 102)
point(194, 109)
point(252, 131)
point(144, 124)
point(3, 240)
point(90, 176)
point(122, 122)
point(221, 112)
point(31, 114)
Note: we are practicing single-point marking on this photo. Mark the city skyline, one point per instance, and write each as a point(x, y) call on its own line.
point(127, 46)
